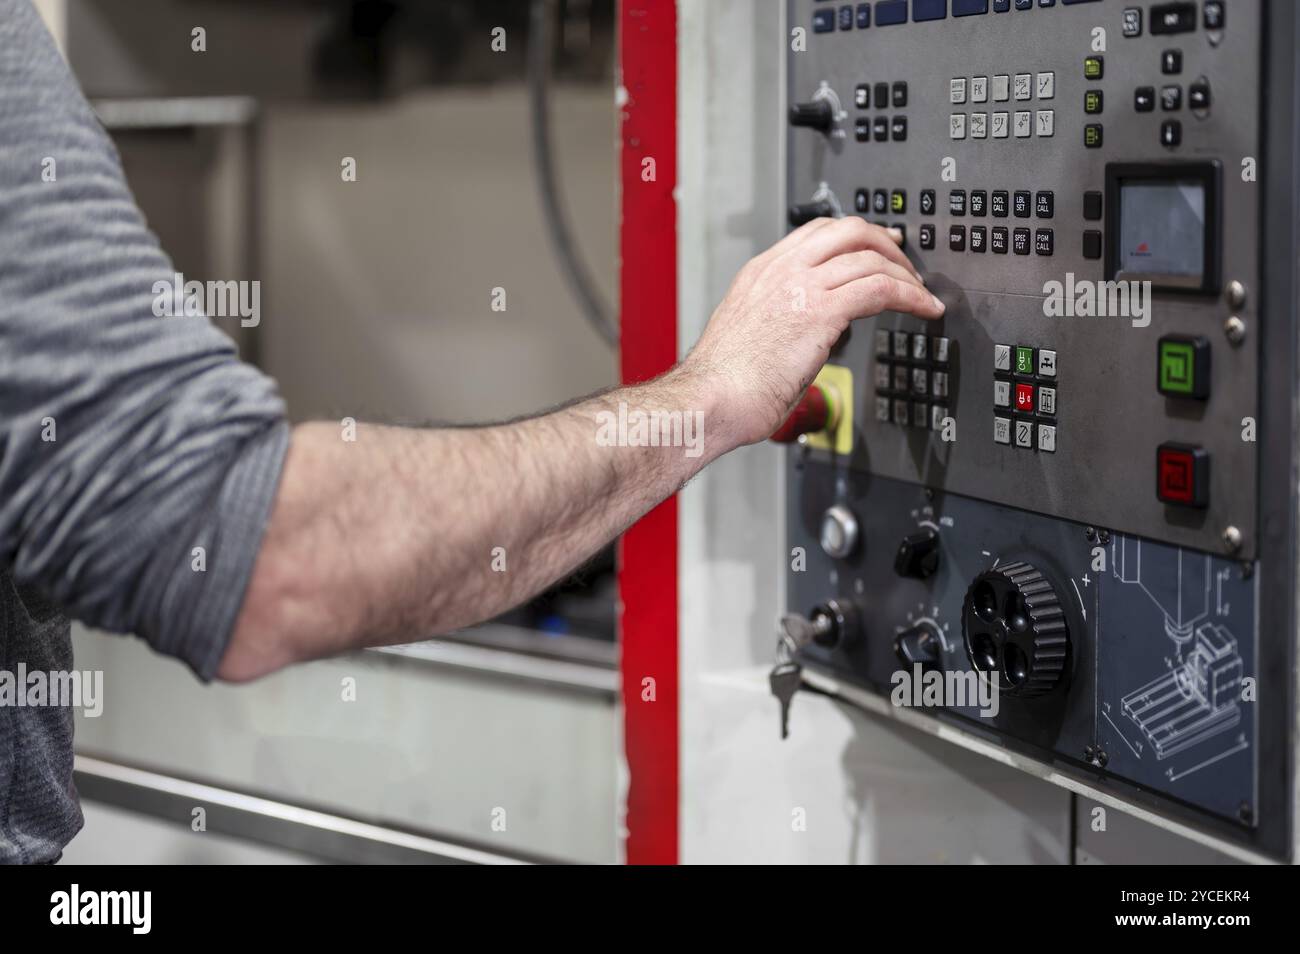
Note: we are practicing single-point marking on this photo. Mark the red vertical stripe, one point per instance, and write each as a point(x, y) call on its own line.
point(648, 309)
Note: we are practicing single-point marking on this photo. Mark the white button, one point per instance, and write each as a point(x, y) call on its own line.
point(1046, 122)
point(900, 343)
point(882, 376)
point(1047, 438)
point(957, 90)
point(882, 409)
point(1024, 86)
point(937, 414)
point(882, 342)
point(1047, 400)
point(900, 412)
point(902, 380)
point(957, 125)
point(1046, 85)
point(1002, 430)
point(1000, 125)
point(1001, 357)
point(920, 381)
point(1046, 363)
point(1024, 433)
point(939, 384)
point(979, 125)
point(979, 89)
point(1001, 393)
point(941, 350)
point(919, 347)
point(1023, 124)
point(1001, 88)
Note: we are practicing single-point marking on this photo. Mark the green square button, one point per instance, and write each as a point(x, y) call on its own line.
point(1184, 367)
point(1024, 360)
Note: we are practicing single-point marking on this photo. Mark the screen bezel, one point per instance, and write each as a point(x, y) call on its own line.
point(1207, 174)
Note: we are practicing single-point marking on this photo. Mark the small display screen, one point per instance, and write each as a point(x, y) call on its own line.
point(1162, 228)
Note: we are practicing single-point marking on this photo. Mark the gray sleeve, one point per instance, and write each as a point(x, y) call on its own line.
point(162, 441)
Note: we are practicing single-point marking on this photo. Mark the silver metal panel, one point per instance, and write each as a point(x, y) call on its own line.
point(1111, 417)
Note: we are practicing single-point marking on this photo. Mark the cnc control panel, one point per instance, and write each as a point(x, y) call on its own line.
point(1073, 485)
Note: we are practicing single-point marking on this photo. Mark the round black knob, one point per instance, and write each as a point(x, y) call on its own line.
point(920, 644)
point(801, 214)
point(918, 554)
point(818, 114)
point(1015, 629)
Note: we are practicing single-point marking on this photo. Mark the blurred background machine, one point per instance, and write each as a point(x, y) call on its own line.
point(477, 170)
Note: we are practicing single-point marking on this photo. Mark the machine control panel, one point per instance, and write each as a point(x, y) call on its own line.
point(1055, 487)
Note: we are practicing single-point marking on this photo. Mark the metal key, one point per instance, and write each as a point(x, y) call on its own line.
point(785, 680)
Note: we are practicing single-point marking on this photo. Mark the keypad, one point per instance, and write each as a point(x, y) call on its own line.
point(1020, 88)
point(912, 378)
point(880, 96)
point(1025, 397)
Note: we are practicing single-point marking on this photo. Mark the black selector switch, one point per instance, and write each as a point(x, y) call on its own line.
point(803, 214)
point(919, 645)
point(815, 115)
point(918, 554)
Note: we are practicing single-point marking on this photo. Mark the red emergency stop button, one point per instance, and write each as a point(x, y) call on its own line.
point(1183, 475)
point(816, 411)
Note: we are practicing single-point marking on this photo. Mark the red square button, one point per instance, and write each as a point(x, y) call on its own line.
point(1024, 397)
point(1182, 475)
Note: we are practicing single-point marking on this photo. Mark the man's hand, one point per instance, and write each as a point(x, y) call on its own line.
point(786, 309)
point(402, 534)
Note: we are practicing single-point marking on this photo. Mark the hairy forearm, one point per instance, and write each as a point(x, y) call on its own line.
point(402, 533)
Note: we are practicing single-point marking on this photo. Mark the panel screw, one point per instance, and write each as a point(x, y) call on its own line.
point(1102, 758)
point(1235, 330)
point(1245, 812)
point(1235, 295)
point(1231, 539)
point(1090, 534)
point(1103, 536)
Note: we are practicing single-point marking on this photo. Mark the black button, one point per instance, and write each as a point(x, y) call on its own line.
point(900, 95)
point(862, 130)
point(957, 202)
point(823, 21)
point(880, 201)
point(1092, 206)
point(880, 129)
point(927, 236)
point(999, 205)
point(1171, 98)
point(862, 96)
point(1092, 135)
point(979, 202)
point(1144, 99)
point(1021, 203)
point(977, 236)
point(1045, 204)
point(1171, 133)
point(881, 95)
point(1171, 62)
point(998, 240)
point(1198, 95)
point(1024, 4)
point(862, 201)
point(927, 202)
point(1214, 14)
point(1044, 241)
point(1173, 18)
point(864, 15)
point(1092, 244)
point(957, 238)
point(1020, 241)
point(899, 128)
point(1132, 21)
point(846, 18)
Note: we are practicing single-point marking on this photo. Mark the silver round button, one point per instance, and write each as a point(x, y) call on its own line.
point(839, 532)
